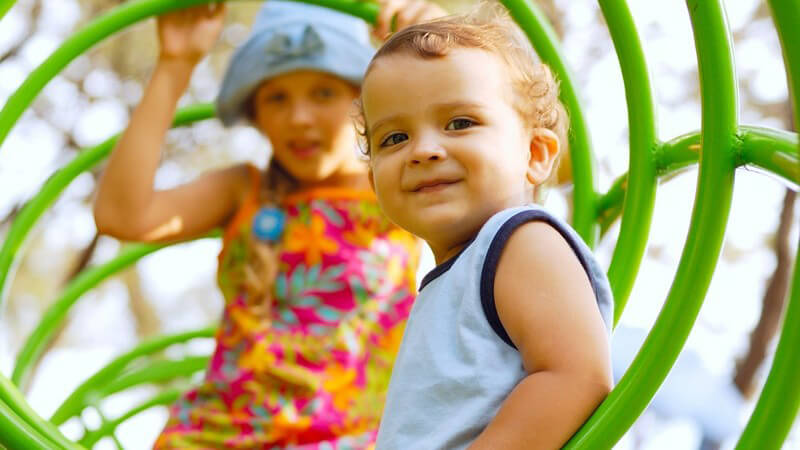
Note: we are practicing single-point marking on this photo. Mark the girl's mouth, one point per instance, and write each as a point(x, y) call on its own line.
point(303, 149)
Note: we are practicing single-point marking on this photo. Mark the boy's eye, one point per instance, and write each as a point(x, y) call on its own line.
point(459, 124)
point(394, 139)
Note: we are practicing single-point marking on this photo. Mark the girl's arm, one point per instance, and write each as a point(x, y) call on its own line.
point(127, 206)
point(546, 304)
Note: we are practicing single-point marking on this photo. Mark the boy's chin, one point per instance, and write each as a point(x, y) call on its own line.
point(440, 229)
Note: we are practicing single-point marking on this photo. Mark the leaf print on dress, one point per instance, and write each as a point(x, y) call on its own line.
point(330, 213)
point(310, 240)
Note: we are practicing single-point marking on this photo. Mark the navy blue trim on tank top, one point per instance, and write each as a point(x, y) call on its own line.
point(493, 259)
point(443, 267)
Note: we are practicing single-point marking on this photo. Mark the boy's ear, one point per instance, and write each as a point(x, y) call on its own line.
point(544, 148)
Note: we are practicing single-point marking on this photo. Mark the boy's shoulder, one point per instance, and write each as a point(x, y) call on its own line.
point(540, 239)
point(500, 225)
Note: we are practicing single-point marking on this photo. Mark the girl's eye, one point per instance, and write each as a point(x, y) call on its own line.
point(394, 139)
point(324, 93)
point(459, 124)
point(276, 97)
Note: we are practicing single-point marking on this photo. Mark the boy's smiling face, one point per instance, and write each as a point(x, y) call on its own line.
point(448, 148)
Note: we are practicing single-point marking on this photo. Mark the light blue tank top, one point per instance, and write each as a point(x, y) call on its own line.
point(456, 364)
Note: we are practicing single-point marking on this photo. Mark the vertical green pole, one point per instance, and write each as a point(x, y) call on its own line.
point(709, 217)
point(637, 212)
point(544, 40)
point(779, 401)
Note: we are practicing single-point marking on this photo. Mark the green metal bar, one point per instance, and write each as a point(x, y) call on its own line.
point(155, 372)
point(56, 184)
point(786, 15)
point(5, 6)
point(111, 22)
point(773, 151)
point(12, 399)
point(84, 393)
point(679, 153)
point(639, 201)
point(709, 217)
point(104, 419)
point(609, 205)
point(779, 401)
point(17, 433)
point(45, 330)
point(543, 38)
point(164, 398)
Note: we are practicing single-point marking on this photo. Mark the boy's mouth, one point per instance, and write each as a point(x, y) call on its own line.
point(433, 185)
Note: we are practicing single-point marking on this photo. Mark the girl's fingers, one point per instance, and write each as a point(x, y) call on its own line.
point(388, 10)
point(215, 9)
point(432, 12)
point(413, 13)
point(407, 12)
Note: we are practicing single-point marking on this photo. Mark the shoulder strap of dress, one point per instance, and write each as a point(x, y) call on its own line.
point(248, 205)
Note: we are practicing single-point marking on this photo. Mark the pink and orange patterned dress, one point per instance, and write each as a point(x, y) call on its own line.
point(307, 365)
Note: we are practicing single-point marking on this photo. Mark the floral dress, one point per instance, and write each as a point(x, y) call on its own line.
point(307, 365)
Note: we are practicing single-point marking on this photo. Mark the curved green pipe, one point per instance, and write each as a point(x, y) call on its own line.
point(55, 314)
point(163, 398)
point(19, 410)
point(5, 6)
point(543, 38)
point(680, 152)
point(39, 338)
point(83, 395)
point(639, 201)
point(773, 151)
point(56, 184)
point(709, 216)
point(18, 433)
point(155, 372)
point(786, 15)
point(779, 401)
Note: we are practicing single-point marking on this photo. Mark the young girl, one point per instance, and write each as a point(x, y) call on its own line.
point(507, 345)
point(317, 283)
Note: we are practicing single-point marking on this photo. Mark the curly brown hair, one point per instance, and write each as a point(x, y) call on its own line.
point(488, 28)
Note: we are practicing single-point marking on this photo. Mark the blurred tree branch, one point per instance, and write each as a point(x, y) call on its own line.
point(772, 304)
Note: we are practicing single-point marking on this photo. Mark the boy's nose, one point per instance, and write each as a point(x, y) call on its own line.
point(426, 150)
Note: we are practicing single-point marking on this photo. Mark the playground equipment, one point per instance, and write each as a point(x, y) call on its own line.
point(720, 148)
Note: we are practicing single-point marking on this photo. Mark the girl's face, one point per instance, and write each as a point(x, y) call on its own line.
point(448, 149)
point(307, 116)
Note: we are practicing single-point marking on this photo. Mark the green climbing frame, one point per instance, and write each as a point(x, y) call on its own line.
point(719, 148)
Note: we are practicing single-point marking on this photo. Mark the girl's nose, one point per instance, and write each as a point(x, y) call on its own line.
point(301, 113)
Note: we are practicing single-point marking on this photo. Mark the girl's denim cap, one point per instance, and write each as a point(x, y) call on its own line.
point(289, 36)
